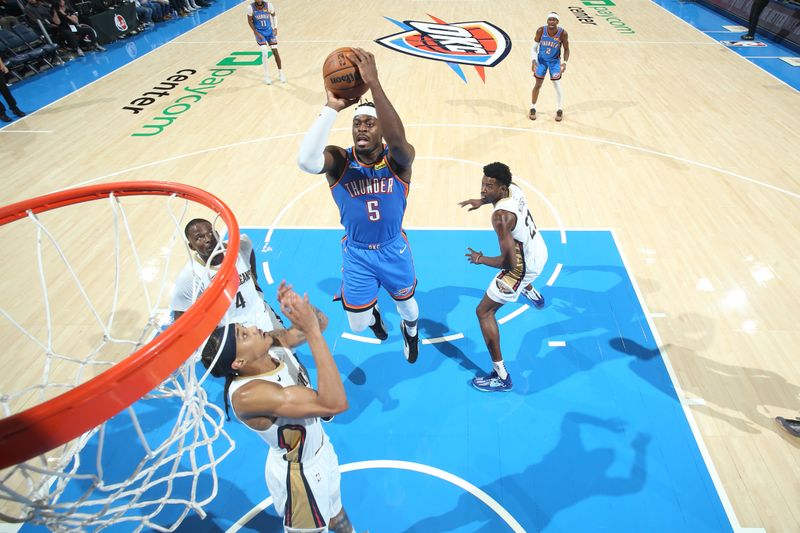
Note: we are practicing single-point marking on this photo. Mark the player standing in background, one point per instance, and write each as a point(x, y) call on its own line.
point(523, 254)
point(263, 21)
point(546, 55)
point(369, 182)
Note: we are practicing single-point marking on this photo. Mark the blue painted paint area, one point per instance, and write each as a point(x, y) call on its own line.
point(592, 437)
point(711, 22)
point(38, 91)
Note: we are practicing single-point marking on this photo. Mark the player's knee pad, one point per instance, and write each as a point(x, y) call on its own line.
point(408, 309)
point(359, 321)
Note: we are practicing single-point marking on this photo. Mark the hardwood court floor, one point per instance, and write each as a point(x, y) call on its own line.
point(686, 151)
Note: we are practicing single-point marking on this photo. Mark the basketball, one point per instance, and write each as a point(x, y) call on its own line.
point(342, 76)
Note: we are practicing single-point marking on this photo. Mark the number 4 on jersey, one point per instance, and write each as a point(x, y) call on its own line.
point(239, 300)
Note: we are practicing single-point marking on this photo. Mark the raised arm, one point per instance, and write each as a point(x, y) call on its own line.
point(260, 398)
point(294, 336)
point(314, 157)
point(393, 131)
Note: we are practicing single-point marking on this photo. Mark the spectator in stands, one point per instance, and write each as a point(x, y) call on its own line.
point(8, 14)
point(156, 9)
point(144, 13)
point(66, 19)
point(752, 23)
point(7, 95)
point(40, 12)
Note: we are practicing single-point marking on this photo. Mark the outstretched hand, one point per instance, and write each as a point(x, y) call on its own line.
point(473, 256)
point(473, 204)
point(297, 308)
point(365, 62)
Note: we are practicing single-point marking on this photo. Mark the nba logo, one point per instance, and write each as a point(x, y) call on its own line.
point(119, 22)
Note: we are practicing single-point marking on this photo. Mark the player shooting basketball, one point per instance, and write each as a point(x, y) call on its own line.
point(370, 183)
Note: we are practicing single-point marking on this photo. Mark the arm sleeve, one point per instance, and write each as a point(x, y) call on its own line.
point(534, 51)
point(245, 247)
point(182, 297)
point(311, 158)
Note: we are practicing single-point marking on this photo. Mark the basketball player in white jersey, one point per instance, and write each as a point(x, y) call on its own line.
point(523, 254)
point(248, 305)
point(270, 393)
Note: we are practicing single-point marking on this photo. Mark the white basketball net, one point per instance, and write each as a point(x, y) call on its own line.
point(155, 461)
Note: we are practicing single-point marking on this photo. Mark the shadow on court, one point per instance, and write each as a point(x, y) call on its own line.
point(569, 473)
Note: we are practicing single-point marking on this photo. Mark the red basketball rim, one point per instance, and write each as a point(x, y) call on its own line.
point(59, 420)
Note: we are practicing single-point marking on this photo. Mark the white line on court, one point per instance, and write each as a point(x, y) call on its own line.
point(403, 465)
point(557, 344)
point(267, 273)
point(125, 65)
point(722, 45)
point(359, 338)
point(618, 144)
point(513, 314)
point(521, 180)
point(698, 437)
point(479, 126)
point(556, 272)
point(704, 43)
point(446, 338)
point(284, 210)
point(695, 401)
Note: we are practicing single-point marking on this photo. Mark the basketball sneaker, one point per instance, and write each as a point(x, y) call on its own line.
point(534, 297)
point(378, 328)
point(281, 77)
point(410, 344)
point(267, 80)
point(326, 418)
point(559, 115)
point(791, 426)
point(532, 114)
point(493, 383)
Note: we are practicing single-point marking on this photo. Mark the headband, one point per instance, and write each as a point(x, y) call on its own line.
point(553, 15)
point(365, 110)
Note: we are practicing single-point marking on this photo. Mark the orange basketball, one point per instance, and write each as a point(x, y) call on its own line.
point(342, 76)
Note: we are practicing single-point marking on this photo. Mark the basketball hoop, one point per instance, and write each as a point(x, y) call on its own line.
point(35, 477)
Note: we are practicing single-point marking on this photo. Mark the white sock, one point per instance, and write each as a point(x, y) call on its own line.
point(265, 57)
point(559, 94)
point(500, 368)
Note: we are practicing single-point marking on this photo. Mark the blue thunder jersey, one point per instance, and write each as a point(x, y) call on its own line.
point(550, 47)
point(371, 200)
point(261, 18)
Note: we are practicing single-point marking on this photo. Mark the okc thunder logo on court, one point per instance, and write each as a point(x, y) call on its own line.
point(478, 44)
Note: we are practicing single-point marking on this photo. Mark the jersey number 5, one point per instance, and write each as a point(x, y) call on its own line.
point(373, 213)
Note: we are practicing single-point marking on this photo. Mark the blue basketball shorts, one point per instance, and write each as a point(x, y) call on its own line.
point(553, 65)
point(367, 269)
point(267, 38)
